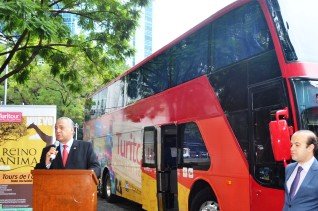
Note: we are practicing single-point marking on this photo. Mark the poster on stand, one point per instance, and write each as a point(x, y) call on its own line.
point(24, 131)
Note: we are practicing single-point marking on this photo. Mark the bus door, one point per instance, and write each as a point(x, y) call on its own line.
point(264, 101)
point(167, 169)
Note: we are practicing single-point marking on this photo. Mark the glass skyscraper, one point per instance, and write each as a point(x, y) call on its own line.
point(142, 39)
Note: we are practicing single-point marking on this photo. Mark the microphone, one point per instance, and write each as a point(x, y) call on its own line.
point(52, 156)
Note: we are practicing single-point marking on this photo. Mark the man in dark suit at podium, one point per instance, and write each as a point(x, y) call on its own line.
point(70, 153)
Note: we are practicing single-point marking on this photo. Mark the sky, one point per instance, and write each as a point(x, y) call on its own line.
point(172, 18)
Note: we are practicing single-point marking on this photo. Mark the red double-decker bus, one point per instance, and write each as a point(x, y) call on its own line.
point(204, 123)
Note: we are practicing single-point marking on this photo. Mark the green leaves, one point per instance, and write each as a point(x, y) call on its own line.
point(106, 28)
point(74, 64)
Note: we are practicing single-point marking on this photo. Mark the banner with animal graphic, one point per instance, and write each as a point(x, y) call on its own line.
point(24, 131)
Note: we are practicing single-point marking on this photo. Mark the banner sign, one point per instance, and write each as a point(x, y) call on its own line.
point(24, 131)
point(10, 116)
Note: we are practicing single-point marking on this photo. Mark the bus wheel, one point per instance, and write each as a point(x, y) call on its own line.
point(106, 189)
point(204, 200)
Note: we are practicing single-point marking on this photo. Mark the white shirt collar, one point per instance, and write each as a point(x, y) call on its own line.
point(69, 144)
point(306, 166)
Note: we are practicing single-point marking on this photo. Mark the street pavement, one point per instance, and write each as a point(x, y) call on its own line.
point(120, 205)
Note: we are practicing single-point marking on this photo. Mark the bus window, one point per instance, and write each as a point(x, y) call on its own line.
point(115, 96)
point(195, 153)
point(154, 76)
point(190, 57)
point(263, 67)
point(230, 86)
point(149, 152)
point(264, 101)
point(306, 92)
point(239, 35)
point(239, 123)
point(294, 21)
point(133, 87)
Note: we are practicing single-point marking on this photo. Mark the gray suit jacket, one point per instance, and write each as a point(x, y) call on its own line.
point(306, 197)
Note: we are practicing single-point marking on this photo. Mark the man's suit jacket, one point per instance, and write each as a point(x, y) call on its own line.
point(306, 197)
point(81, 156)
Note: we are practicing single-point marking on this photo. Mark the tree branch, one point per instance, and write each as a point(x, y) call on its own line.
point(23, 65)
point(13, 51)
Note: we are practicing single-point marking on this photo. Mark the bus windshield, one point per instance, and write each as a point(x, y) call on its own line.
point(296, 25)
point(306, 92)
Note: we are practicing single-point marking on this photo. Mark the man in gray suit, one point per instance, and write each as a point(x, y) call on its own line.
point(301, 181)
point(70, 154)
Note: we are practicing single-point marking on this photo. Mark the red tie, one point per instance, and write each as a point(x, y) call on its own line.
point(65, 154)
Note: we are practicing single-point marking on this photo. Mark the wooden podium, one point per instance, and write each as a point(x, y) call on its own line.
point(64, 190)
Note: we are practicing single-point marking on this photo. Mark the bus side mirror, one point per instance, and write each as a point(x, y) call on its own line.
point(280, 134)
